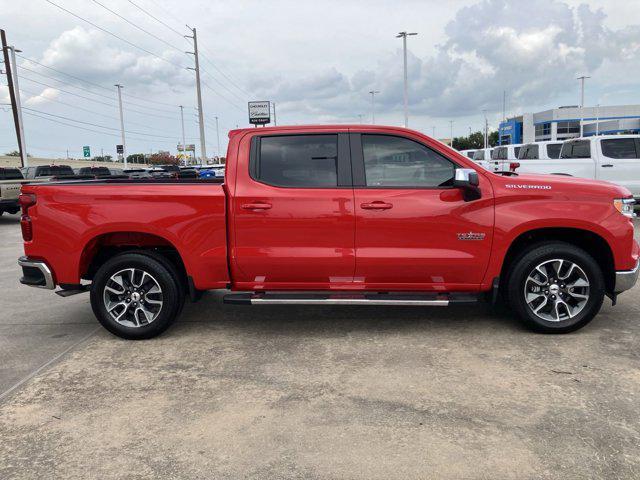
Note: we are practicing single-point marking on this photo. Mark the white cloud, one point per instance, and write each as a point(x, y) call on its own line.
point(46, 96)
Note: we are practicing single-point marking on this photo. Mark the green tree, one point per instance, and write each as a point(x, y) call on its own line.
point(14, 153)
point(135, 158)
point(475, 141)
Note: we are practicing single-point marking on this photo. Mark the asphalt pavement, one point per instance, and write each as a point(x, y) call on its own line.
point(312, 392)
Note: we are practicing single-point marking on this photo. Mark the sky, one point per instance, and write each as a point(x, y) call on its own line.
point(316, 60)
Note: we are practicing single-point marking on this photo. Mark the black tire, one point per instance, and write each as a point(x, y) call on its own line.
point(172, 296)
point(543, 252)
point(179, 278)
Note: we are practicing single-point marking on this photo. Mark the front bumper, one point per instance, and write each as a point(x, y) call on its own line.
point(36, 273)
point(626, 279)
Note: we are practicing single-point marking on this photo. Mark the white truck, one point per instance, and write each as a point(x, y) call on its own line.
point(613, 158)
point(10, 182)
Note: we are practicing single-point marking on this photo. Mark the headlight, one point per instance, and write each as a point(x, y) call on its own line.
point(625, 206)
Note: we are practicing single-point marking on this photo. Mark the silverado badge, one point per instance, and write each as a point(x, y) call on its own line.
point(471, 236)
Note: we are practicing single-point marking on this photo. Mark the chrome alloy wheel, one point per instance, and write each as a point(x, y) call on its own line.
point(133, 297)
point(556, 290)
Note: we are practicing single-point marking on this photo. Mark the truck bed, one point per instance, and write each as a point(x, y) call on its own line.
point(73, 219)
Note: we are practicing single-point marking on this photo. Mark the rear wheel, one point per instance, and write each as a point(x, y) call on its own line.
point(135, 296)
point(556, 287)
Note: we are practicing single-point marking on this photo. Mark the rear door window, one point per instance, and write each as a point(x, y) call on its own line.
point(619, 148)
point(577, 149)
point(479, 155)
point(553, 150)
point(516, 151)
point(305, 161)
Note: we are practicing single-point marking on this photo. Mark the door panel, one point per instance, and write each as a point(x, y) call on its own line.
point(619, 162)
point(420, 237)
point(286, 237)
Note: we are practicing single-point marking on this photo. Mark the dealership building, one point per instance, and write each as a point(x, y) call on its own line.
point(565, 122)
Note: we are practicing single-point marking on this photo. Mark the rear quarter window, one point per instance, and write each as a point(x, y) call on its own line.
point(553, 150)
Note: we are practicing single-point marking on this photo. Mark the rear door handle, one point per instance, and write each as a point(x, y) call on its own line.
point(606, 165)
point(256, 206)
point(377, 205)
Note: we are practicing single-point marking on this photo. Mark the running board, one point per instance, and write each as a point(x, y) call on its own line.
point(405, 299)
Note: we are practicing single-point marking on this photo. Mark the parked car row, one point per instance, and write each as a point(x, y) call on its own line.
point(613, 158)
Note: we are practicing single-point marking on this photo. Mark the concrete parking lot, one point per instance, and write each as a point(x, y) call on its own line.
point(322, 392)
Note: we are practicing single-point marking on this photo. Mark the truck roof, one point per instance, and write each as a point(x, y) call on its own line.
point(337, 126)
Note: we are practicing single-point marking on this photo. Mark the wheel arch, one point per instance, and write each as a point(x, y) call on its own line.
point(104, 246)
point(596, 245)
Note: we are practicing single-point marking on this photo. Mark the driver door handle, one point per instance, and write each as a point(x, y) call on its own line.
point(256, 206)
point(607, 165)
point(377, 205)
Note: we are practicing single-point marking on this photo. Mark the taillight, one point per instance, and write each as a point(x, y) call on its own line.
point(513, 166)
point(26, 200)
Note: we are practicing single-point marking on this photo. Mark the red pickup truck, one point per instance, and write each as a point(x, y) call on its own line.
point(364, 215)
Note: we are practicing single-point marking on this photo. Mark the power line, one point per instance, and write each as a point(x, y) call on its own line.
point(229, 79)
point(224, 86)
point(93, 124)
point(83, 109)
point(156, 19)
point(137, 26)
point(91, 83)
point(114, 35)
point(92, 130)
point(221, 96)
point(94, 93)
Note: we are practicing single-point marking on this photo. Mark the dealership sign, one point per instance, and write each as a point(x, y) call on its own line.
point(259, 113)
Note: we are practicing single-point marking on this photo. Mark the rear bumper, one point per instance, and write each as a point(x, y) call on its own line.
point(626, 279)
point(36, 273)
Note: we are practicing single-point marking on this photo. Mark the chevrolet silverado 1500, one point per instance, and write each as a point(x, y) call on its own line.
point(364, 215)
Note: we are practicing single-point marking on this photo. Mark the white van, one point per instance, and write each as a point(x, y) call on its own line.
point(614, 158)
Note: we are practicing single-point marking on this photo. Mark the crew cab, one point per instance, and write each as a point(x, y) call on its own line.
point(333, 215)
point(614, 158)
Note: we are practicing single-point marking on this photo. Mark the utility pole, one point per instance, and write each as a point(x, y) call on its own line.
point(11, 70)
point(218, 134)
point(275, 120)
point(203, 148)
point(124, 145)
point(433, 132)
point(451, 127)
point(373, 105)
point(184, 146)
point(404, 36)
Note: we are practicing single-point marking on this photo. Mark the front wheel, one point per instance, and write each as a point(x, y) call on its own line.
point(556, 287)
point(135, 296)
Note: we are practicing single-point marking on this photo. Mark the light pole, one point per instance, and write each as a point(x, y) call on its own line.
point(373, 106)
point(451, 127)
point(184, 147)
point(124, 145)
point(360, 117)
point(275, 121)
point(582, 79)
point(404, 36)
point(433, 132)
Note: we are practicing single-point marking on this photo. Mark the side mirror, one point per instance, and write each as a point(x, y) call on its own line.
point(468, 181)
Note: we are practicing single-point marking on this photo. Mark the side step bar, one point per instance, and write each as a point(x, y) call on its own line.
point(295, 298)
